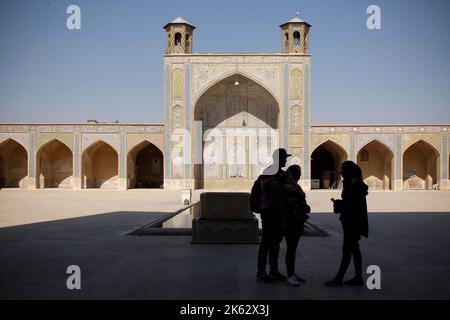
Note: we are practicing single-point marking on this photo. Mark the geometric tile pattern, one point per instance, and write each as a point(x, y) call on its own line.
point(21, 138)
point(364, 139)
point(76, 159)
point(122, 156)
point(444, 156)
point(307, 122)
point(167, 124)
point(32, 156)
point(285, 143)
point(187, 140)
point(352, 154)
point(398, 157)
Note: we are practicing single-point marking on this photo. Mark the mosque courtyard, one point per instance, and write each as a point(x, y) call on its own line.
point(42, 232)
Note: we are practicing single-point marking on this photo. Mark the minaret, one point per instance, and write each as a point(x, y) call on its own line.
point(294, 35)
point(179, 36)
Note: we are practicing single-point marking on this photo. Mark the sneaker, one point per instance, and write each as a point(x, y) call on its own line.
point(334, 283)
point(299, 279)
point(276, 275)
point(356, 281)
point(292, 280)
point(263, 277)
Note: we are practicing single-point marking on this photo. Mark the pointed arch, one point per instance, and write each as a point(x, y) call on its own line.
point(145, 163)
point(326, 161)
point(54, 165)
point(100, 166)
point(376, 161)
point(14, 164)
point(230, 74)
point(420, 166)
point(240, 107)
point(383, 143)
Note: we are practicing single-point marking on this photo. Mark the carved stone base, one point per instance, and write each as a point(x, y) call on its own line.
point(444, 185)
point(31, 183)
point(224, 231)
point(398, 185)
point(122, 184)
point(76, 183)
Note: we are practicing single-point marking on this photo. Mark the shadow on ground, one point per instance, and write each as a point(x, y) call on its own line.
point(410, 248)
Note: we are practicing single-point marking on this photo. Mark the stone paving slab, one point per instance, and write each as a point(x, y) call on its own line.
point(38, 242)
point(410, 248)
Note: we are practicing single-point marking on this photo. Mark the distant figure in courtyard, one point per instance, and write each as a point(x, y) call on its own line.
point(266, 199)
point(295, 212)
point(353, 215)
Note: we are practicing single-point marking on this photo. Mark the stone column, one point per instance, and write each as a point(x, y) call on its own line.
point(122, 181)
point(398, 166)
point(31, 179)
point(76, 180)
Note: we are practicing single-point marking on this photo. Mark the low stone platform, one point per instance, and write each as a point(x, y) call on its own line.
point(225, 217)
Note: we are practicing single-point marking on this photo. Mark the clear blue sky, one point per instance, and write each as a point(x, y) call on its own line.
point(111, 69)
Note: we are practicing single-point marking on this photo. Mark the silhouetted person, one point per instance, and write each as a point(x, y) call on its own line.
point(295, 211)
point(353, 216)
point(271, 182)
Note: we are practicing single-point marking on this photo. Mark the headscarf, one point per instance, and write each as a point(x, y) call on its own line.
point(352, 175)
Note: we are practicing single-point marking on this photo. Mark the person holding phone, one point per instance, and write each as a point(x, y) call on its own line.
point(352, 209)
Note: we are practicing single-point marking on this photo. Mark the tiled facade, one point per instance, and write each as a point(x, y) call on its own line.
point(213, 103)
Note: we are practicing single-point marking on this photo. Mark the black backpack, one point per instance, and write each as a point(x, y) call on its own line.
point(256, 196)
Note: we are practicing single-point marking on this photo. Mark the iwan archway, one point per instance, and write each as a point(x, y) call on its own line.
point(420, 165)
point(145, 166)
point(100, 166)
point(326, 162)
point(13, 164)
point(54, 165)
point(376, 161)
point(239, 129)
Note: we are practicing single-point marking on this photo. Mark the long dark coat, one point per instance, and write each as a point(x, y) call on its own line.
point(354, 208)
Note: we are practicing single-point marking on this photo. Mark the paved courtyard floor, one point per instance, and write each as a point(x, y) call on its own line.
point(43, 232)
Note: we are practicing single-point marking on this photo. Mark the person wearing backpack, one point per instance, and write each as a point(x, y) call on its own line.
point(265, 199)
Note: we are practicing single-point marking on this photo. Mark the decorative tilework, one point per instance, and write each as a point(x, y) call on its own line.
point(187, 138)
point(285, 142)
point(398, 157)
point(76, 155)
point(306, 125)
point(122, 156)
point(167, 125)
point(352, 154)
point(32, 156)
point(21, 138)
point(89, 138)
point(364, 139)
point(444, 156)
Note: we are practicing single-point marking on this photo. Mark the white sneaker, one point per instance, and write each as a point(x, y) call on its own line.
point(292, 280)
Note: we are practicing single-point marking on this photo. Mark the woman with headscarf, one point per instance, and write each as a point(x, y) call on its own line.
point(295, 212)
point(353, 215)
